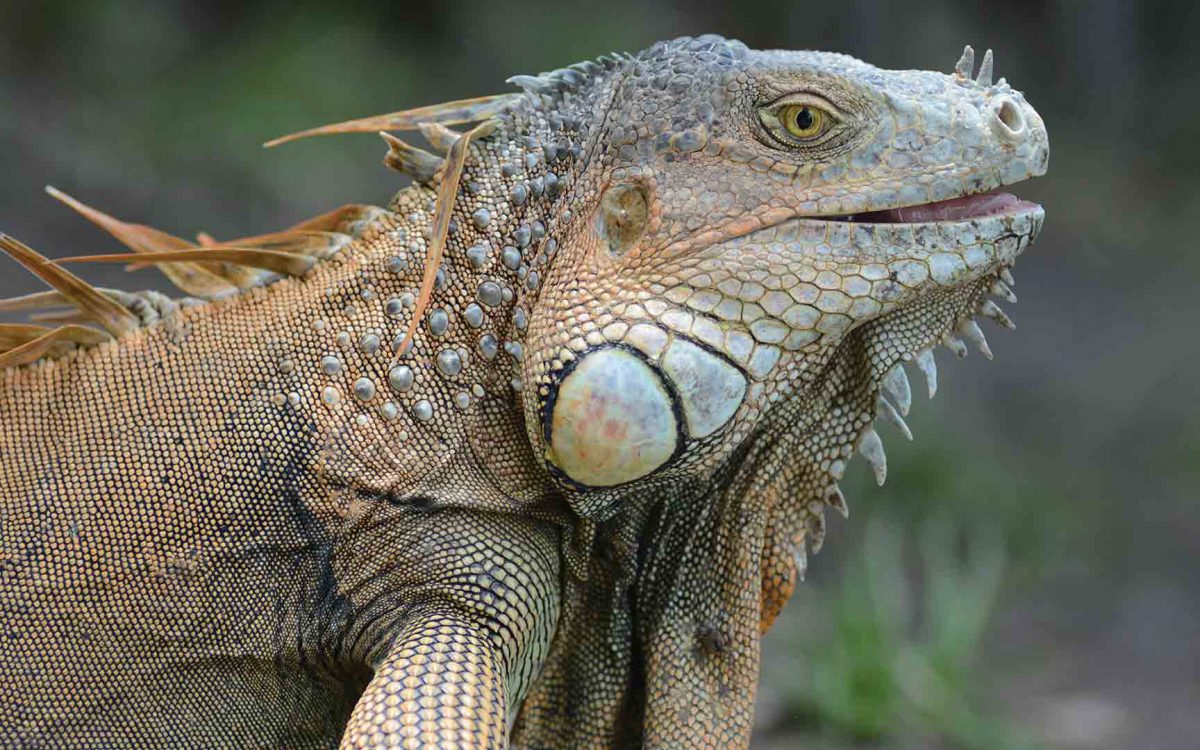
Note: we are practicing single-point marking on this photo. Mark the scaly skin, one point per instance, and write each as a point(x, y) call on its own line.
point(575, 502)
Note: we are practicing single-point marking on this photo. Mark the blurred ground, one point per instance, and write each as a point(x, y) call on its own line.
point(1073, 455)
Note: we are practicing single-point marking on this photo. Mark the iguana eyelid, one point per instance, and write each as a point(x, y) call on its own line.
point(809, 98)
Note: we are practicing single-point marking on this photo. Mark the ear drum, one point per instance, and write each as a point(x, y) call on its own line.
point(622, 220)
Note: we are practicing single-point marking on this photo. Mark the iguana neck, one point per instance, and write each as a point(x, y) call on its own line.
point(395, 422)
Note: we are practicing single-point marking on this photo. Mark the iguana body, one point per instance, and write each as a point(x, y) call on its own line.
point(578, 493)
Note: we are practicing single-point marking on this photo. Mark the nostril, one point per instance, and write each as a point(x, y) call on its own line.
point(1009, 117)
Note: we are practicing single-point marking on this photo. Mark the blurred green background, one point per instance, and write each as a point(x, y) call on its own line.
point(1027, 578)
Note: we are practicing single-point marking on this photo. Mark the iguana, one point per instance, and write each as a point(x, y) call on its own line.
point(531, 456)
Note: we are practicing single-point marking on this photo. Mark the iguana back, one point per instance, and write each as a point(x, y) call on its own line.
point(143, 529)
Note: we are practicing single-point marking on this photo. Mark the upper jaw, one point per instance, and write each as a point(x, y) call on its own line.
point(944, 252)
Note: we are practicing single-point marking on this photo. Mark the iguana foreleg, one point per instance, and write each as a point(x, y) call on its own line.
point(440, 686)
point(459, 619)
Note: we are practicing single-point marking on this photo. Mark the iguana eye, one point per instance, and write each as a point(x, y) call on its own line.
point(799, 121)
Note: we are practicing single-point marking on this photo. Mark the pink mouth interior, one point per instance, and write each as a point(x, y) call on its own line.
point(955, 209)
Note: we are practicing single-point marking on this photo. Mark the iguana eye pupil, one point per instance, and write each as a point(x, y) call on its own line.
point(804, 118)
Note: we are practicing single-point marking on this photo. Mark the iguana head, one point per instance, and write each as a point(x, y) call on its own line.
point(762, 236)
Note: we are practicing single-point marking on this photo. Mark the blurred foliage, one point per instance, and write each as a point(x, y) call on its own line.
point(1074, 452)
point(897, 652)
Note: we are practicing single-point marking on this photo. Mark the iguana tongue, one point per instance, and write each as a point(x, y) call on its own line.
point(955, 209)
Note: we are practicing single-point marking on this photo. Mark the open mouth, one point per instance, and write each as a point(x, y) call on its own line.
point(954, 209)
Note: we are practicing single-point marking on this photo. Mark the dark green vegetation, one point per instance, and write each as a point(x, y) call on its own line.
point(1029, 570)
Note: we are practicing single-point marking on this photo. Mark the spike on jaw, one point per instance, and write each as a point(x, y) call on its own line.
point(893, 416)
point(896, 383)
point(971, 332)
point(955, 345)
point(800, 558)
point(814, 527)
point(928, 367)
point(871, 448)
point(836, 500)
point(1000, 289)
point(992, 310)
point(448, 113)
